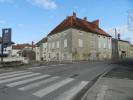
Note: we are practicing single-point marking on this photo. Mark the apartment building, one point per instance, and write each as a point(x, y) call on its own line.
point(78, 39)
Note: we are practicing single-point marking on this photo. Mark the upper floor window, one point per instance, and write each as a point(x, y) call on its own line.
point(80, 41)
point(53, 45)
point(104, 45)
point(109, 46)
point(65, 43)
point(99, 44)
point(58, 44)
point(49, 45)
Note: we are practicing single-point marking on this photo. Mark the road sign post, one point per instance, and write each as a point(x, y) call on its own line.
point(5, 41)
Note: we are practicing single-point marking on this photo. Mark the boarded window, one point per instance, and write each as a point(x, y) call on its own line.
point(65, 43)
point(58, 45)
point(80, 42)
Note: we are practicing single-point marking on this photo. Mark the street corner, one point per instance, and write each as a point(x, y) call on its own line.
point(111, 89)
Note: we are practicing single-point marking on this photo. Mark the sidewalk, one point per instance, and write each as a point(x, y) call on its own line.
point(111, 89)
point(115, 85)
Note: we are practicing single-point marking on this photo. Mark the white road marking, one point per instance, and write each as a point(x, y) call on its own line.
point(37, 84)
point(61, 64)
point(27, 80)
point(17, 78)
point(12, 75)
point(102, 92)
point(53, 65)
point(70, 94)
point(38, 67)
point(52, 88)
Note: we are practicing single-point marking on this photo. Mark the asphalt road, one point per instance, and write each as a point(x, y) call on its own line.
point(122, 69)
point(49, 82)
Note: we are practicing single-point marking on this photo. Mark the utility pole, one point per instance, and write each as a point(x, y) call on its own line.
point(116, 45)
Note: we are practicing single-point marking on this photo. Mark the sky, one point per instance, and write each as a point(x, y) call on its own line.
point(32, 20)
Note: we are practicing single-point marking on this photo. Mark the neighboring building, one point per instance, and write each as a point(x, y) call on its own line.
point(124, 49)
point(121, 49)
point(131, 51)
point(78, 39)
point(41, 50)
point(19, 48)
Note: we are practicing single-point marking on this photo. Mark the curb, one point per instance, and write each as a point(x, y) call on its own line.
point(100, 77)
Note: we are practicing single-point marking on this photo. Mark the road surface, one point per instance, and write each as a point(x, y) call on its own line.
point(49, 82)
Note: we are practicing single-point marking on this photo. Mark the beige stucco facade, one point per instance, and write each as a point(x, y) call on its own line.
point(74, 44)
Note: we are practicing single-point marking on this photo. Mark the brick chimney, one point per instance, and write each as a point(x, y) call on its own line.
point(96, 22)
point(74, 15)
point(32, 45)
point(85, 18)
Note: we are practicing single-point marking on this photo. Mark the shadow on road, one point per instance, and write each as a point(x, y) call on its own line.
point(122, 69)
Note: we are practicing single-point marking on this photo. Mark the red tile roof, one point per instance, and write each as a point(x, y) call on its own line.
point(82, 24)
point(22, 46)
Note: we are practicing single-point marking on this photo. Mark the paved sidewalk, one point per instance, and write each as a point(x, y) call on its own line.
point(117, 84)
point(111, 89)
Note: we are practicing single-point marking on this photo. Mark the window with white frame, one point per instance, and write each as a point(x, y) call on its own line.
point(57, 44)
point(80, 41)
point(65, 43)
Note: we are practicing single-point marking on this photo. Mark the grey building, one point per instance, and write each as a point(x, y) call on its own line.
point(78, 39)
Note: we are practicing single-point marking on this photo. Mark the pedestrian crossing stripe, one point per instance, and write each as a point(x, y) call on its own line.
point(8, 73)
point(38, 67)
point(71, 93)
point(13, 75)
point(37, 84)
point(17, 78)
point(52, 88)
point(26, 81)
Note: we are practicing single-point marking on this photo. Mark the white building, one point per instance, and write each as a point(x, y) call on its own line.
point(41, 50)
